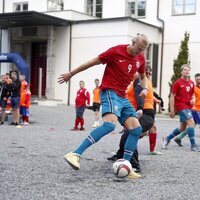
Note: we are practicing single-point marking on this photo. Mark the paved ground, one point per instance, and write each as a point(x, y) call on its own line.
point(32, 164)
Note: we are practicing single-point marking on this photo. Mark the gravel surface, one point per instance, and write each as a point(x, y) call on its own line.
point(32, 164)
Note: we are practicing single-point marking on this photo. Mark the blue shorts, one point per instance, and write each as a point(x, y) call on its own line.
point(185, 115)
point(24, 111)
point(196, 116)
point(121, 107)
point(80, 111)
point(14, 102)
point(3, 104)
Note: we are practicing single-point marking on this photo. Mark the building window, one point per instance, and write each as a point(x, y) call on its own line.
point(184, 7)
point(53, 5)
point(18, 7)
point(94, 7)
point(151, 55)
point(137, 8)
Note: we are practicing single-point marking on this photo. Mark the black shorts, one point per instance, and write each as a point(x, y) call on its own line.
point(96, 106)
point(147, 119)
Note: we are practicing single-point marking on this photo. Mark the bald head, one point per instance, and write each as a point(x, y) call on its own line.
point(139, 44)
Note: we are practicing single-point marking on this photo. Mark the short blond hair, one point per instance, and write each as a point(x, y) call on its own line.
point(143, 38)
point(185, 65)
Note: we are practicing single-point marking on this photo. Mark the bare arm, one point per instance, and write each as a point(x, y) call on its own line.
point(144, 85)
point(67, 76)
point(171, 103)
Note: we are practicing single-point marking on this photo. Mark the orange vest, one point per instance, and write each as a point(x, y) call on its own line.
point(25, 98)
point(148, 102)
point(96, 95)
point(196, 106)
point(23, 83)
point(130, 95)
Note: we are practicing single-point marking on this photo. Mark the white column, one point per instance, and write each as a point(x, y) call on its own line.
point(50, 85)
point(5, 48)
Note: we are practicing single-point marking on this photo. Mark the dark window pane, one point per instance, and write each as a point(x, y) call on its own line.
point(141, 8)
point(25, 6)
point(99, 15)
point(98, 1)
point(131, 6)
point(17, 7)
point(98, 9)
point(89, 2)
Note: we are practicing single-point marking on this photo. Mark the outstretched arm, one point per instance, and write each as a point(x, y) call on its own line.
point(144, 85)
point(171, 103)
point(66, 77)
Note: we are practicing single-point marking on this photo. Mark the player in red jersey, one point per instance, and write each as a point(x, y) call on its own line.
point(122, 62)
point(181, 100)
point(195, 109)
point(82, 100)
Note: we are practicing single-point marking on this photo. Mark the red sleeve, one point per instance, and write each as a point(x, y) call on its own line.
point(88, 97)
point(142, 67)
point(27, 99)
point(175, 87)
point(106, 56)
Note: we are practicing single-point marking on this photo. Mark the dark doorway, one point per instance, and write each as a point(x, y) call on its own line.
point(38, 60)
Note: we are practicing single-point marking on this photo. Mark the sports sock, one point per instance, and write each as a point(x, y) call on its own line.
point(190, 132)
point(27, 119)
point(82, 122)
point(182, 135)
point(77, 120)
point(131, 142)
point(95, 136)
point(152, 141)
point(174, 133)
point(23, 118)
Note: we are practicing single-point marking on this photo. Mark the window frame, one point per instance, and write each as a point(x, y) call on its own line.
point(136, 8)
point(184, 5)
point(93, 11)
point(57, 5)
point(21, 4)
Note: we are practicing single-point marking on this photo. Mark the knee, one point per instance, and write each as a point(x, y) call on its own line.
point(109, 126)
point(136, 131)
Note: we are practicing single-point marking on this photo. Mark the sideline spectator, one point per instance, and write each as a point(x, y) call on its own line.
point(82, 100)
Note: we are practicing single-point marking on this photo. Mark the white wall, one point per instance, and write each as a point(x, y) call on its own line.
point(36, 5)
point(70, 15)
point(175, 27)
point(151, 13)
point(78, 5)
point(91, 39)
point(61, 61)
point(5, 48)
point(1, 6)
point(114, 8)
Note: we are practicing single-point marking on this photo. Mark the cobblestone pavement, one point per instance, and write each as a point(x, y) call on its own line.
point(32, 164)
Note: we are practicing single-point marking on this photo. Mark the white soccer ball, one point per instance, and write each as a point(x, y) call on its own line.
point(122, 168)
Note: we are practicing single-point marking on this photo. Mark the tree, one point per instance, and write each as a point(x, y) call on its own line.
point(181, 59)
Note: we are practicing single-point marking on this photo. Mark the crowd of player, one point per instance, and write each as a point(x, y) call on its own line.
point(123, 62)
point(15, 98)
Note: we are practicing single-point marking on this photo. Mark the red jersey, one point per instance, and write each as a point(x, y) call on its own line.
point(82, 96)
point(184, 90)
point(120, 68)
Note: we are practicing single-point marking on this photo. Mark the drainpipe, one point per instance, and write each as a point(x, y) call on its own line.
point(162, 46)
point(70, 62)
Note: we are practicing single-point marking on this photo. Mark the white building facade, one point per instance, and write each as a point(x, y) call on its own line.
point(55, 36)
